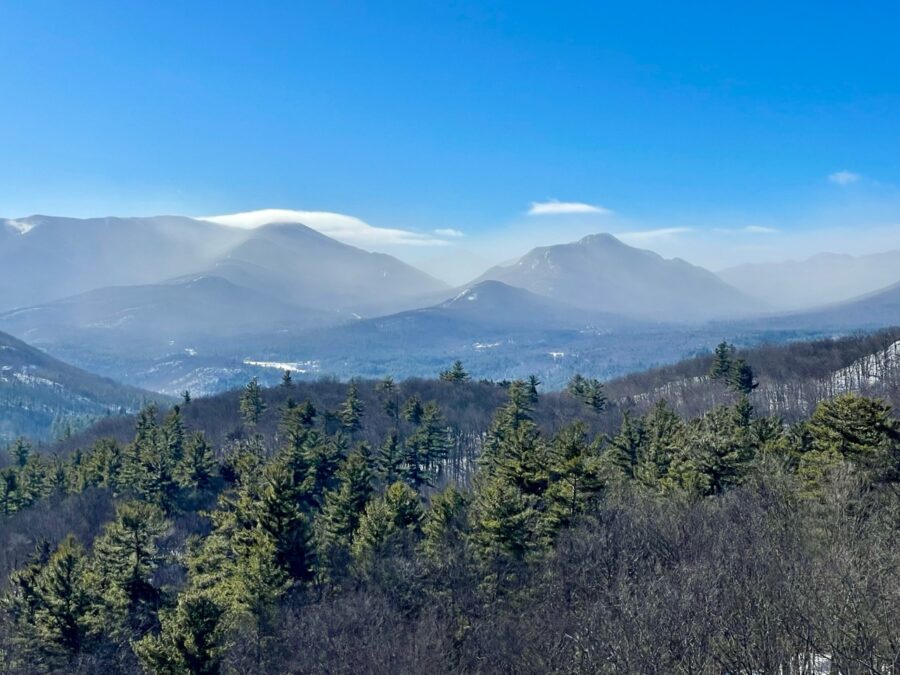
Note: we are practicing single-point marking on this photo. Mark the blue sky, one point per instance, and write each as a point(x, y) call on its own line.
point(700, 129)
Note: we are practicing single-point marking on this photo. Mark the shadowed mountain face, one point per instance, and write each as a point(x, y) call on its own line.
point(185, 314)
point(38, 391)
point(44, 258)
point(821, 280)
point(873, 310)
point(302, 266)
point(601, 273)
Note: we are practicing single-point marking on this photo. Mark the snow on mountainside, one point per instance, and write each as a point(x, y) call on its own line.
point(40, 395)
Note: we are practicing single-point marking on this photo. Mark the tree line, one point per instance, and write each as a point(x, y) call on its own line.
point(727, 542)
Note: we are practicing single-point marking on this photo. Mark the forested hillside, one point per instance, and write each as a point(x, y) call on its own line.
point(451, 525)
point(44, 398)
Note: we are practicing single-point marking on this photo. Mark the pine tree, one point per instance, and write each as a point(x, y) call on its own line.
point(444, 526)
point(413, 410)
point(385, 520)
point(426, 448)
point(186, 397)
point(533, 384)
point(61, 615)
point(860, 430)
point(341, 513)
point(287, 382)
point(722, 362)
point(192, 639)
point(456, 373)
point(197, 467)
point(588, 391)
point(125, 557)
point(575, 480)
point(390, 458)
point(173, 433)
point(252, 405)
point(20, 450)
point(351, 411)
point(741, 377)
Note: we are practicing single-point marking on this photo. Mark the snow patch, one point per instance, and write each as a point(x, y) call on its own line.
point(19, 226)
point(293, 366)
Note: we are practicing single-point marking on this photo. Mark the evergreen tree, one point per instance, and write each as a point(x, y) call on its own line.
point(341, 512)
point(192, 639)
point(456, 373)
point(575, 480)
point(588, 391)
point(61, 615)
point(413, 410)
point(390, 458)
point(722, 361)
point(444, 526)
point(125, 558)
point(186, 397)
point(741, 377)
point(533, 383)
point(860, 430)
point(20, 450)
point(351, 411)
point(197, 467)
point(426, 448)
point(287, 382)
point(385, 520)
point(252, 405)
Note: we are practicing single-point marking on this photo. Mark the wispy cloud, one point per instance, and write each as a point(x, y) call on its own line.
point(349, 229)
point(555, 207)
point(843, 177)
point(449, 232)
point(749, 229)
point(647, 235)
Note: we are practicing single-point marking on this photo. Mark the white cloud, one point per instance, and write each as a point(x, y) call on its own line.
point(349, 229)
point(449, 232)
point(843, 177)
point(749, 229)
point(554, 207)
point(645, 235)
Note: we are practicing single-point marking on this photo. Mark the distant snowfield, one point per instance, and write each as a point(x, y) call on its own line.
point(293, 366)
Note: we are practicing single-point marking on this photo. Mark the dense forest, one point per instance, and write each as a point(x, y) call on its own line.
point(451, 525)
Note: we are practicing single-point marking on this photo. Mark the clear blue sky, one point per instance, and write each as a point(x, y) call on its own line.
point(421, 116)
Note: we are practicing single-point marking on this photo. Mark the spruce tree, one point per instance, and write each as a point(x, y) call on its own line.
point(287, 382)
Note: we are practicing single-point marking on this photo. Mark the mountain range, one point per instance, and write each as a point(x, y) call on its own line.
point(171, 303)
point(821, 280)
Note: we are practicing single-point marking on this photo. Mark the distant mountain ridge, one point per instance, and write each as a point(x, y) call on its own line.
point(601, 273)
point(823, 279)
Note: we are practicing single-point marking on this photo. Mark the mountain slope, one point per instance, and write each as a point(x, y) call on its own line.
point(821, 280)
point(44, 258)
point(38, 392)
point(601, 273)
point(184, 314)
point(305, 267)
point(872, 310)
